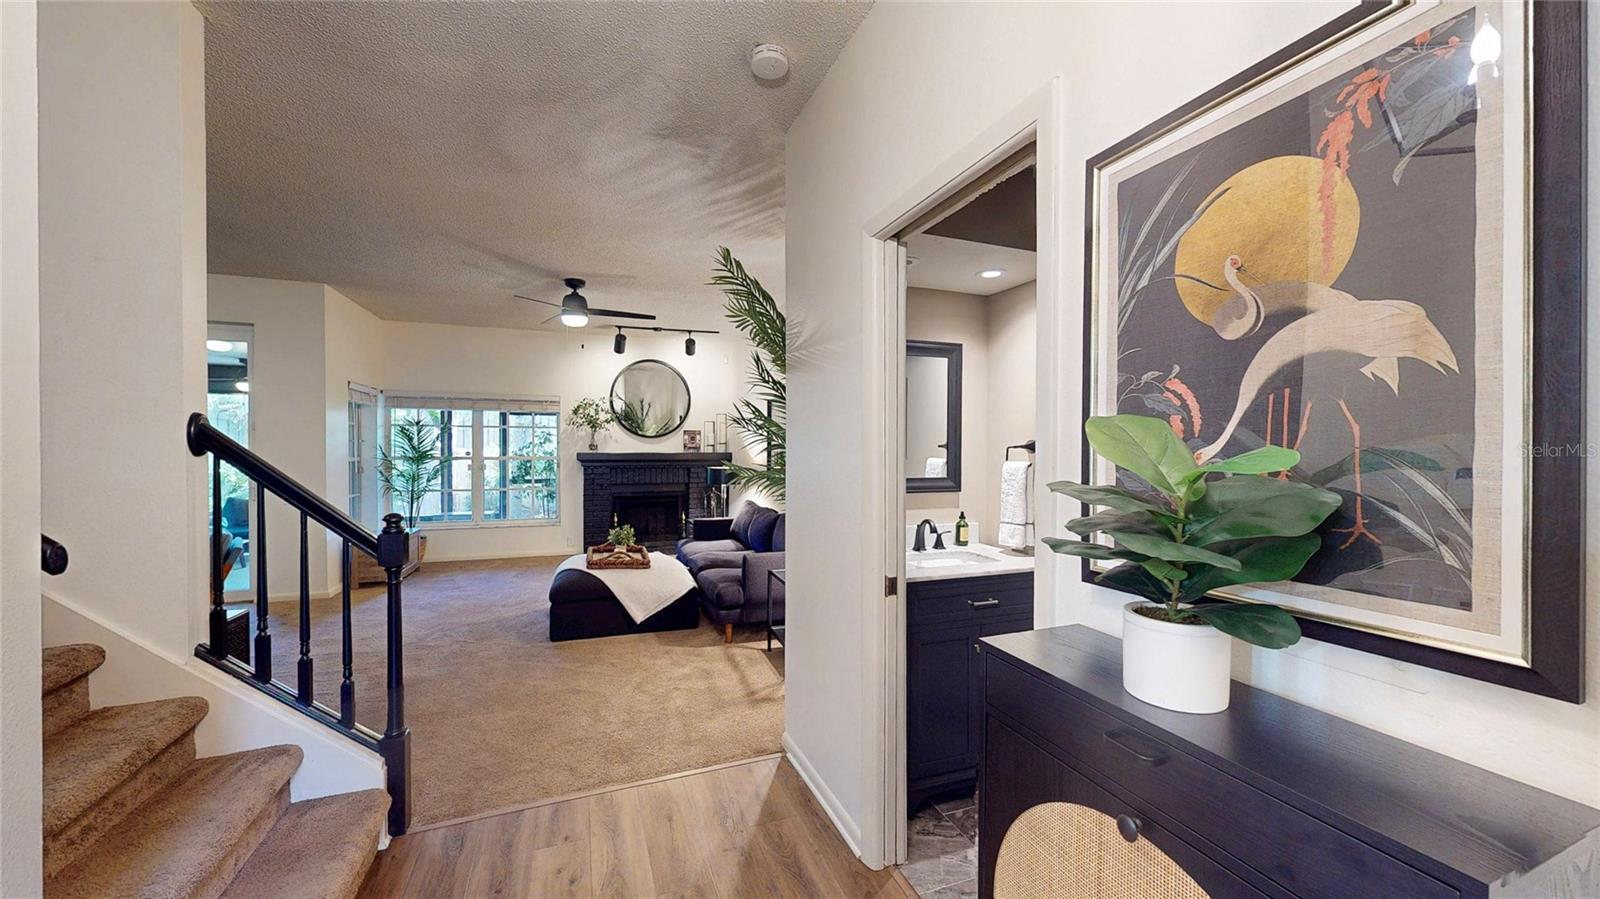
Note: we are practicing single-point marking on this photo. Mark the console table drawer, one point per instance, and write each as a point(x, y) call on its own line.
point(1303, 854)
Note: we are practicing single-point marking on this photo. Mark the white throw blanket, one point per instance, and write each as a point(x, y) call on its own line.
point(1016, 489)
point(642, 591)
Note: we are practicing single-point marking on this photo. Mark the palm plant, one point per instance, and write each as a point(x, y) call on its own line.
point(411, 467)
point(764, 424)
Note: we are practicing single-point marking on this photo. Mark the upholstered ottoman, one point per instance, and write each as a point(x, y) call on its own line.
point(585, 604)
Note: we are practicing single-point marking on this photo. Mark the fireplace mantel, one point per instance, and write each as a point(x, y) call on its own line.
point(613, 479)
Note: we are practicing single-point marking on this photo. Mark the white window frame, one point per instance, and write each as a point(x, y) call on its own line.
point(476, 407)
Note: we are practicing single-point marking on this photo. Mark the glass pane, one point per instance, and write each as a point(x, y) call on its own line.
point(492, 434)
point(494, 473)
point(460, 504)
point(544, 442)
point(428, 508)
point(546, 419)
point(494, 505)
point(520, 472)
point(460, 475)
point(519, 441)
point(545, 469)
point(461, 436)
point(521, 505)
point(546, 505)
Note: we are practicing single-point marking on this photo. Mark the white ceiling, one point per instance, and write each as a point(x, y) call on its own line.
point(944, 263)
point(429, 159)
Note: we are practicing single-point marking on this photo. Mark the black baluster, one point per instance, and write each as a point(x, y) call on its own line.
point(395, 747)
point(305, 693)
point(258, 558)
point(347, 687)
point(218, 629)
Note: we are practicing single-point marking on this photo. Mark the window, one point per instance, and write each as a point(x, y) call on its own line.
point(499, 460)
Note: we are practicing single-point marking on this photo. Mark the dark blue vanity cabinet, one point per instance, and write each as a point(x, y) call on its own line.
point(945, 620)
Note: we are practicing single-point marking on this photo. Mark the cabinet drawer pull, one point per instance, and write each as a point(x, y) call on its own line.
point(1120, 739)
point(1128, 826)
point(989, 603)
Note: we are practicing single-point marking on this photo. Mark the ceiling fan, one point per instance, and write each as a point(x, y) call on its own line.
point(575, 309)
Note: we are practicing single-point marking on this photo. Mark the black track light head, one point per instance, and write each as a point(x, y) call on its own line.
point(688, 345)
point(619, 344)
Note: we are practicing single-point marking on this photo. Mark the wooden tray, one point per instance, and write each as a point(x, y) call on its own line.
point(609, 555)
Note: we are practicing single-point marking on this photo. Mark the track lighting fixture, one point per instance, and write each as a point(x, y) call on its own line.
point(621, 340)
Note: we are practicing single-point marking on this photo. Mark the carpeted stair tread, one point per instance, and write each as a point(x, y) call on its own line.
point(319, 849)
point(65, 664)
point(191, 840)
point(91, 757)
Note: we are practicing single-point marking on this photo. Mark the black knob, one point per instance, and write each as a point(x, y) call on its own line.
point(1128, 826)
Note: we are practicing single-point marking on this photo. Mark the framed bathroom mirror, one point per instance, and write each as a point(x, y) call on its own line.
point(650, 398)
point(933, 417)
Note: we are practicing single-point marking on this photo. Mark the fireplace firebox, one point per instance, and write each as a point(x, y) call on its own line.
point(657, 493)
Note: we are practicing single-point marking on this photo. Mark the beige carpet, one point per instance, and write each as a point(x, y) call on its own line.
point(500, 716)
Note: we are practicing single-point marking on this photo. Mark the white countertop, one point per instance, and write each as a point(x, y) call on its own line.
point(938, 564)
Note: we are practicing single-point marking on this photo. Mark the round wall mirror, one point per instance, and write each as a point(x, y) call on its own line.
point(650, 398)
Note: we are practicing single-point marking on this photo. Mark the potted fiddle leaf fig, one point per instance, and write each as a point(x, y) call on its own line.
point(1198, 528)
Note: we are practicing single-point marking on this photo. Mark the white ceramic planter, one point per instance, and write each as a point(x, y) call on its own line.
point(1183, 667)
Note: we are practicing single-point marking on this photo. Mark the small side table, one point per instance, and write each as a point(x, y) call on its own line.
point(775, 630)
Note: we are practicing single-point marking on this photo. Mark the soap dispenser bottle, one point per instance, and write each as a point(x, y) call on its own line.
point(961, 529)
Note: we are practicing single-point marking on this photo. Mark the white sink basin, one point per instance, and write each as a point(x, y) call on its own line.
point(948, 558)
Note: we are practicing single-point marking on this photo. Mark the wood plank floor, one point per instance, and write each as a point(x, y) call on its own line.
point(746, 830)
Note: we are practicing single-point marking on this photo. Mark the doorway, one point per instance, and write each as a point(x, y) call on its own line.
point(1025, 137)
point(228, 408)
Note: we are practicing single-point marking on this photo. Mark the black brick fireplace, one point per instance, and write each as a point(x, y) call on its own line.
point(654, 492)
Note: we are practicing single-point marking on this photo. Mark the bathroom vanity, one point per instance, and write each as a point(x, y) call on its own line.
point(954, 597)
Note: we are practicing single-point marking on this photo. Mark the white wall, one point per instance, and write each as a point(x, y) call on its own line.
point(496, 362)
point(20, 767)
point(1013, 324)
point(916, 84)
point(122, 291)
point(962, 318)
point(353, 343)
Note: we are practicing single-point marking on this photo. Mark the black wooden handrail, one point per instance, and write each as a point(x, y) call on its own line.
point(390, 549)
point(52, 555)
point(203, 438)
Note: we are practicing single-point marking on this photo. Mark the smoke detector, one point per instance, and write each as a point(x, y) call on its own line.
point(769, 62)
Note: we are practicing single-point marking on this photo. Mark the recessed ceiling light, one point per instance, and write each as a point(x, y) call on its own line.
point(991, 273)
point(219, 346)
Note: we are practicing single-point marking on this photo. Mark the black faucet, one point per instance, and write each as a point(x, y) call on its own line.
point(918, 545)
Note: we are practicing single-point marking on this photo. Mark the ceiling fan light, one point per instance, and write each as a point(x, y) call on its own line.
point(219, 346)
point(619, 343)
point(574, 318)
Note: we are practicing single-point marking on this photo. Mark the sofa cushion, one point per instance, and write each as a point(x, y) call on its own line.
point(722, 587)
point(703, 561)
point(761, 530)
point(742, 521)
point(777, 534)
point(688, 549)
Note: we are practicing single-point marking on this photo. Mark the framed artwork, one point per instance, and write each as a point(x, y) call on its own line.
point(691, 440)
point(1369, 248)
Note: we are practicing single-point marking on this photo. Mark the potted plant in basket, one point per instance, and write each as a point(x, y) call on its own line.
point(592, 415)
point(1189, 534)
point(409, 468)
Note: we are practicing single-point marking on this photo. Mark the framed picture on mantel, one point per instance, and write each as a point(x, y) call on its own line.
point(1369, 248)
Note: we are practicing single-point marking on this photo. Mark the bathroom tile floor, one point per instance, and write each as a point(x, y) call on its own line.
point(942, 849)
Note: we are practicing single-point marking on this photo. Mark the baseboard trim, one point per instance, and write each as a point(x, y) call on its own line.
point(597, 791)
point(499, 557)
point(842, 822)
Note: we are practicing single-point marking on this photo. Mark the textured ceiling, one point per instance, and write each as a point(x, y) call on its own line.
point(429, 159)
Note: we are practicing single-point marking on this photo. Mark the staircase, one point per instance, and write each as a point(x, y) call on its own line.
point(130, 811)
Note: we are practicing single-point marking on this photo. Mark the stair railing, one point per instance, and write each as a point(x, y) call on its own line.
point(52, 555)
point(388, 547)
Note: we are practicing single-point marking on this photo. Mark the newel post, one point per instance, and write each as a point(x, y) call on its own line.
point(395, 747)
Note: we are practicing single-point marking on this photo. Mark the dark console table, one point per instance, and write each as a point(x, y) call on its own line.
point(1269, 798)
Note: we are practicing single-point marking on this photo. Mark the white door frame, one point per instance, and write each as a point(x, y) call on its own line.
point(1036, 120)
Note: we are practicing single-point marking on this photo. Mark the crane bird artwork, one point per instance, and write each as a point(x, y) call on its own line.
point(1382, 332)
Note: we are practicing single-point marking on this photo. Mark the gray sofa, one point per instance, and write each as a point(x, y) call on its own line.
point(730, 559)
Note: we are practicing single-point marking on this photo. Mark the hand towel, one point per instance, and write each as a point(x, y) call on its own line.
point(1016, 493)
point(935, 467)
